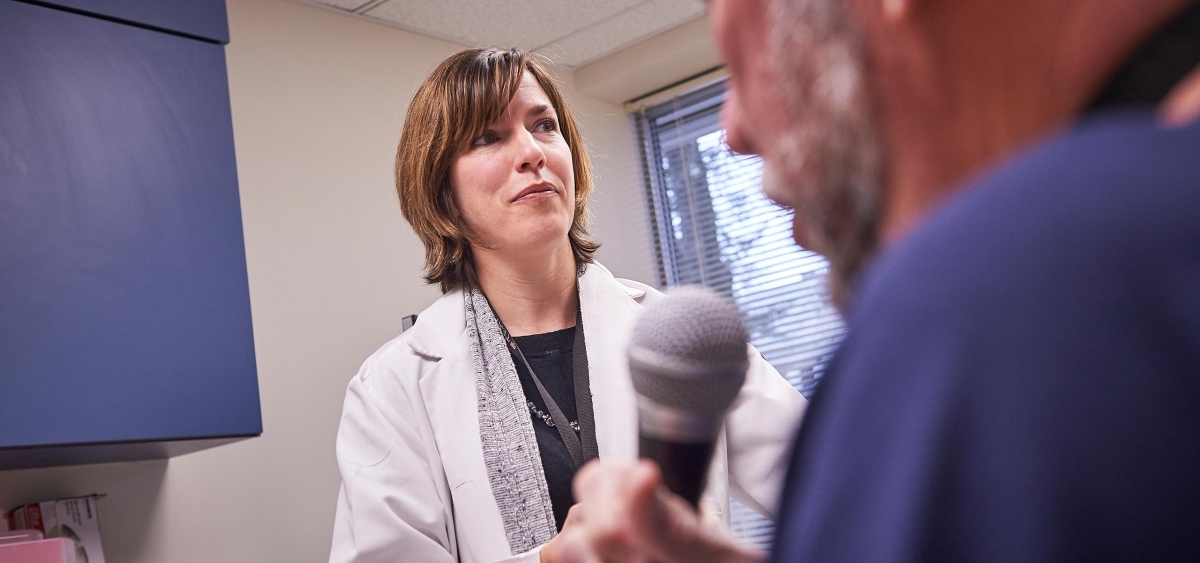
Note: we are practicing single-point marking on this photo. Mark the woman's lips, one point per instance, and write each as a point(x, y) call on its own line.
point(536, 192)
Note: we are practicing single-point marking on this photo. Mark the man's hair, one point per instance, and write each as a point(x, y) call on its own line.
point(460, 99)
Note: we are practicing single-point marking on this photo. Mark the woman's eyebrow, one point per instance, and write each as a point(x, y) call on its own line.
point(537, 110)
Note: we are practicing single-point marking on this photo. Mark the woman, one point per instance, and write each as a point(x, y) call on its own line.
point(459, 439)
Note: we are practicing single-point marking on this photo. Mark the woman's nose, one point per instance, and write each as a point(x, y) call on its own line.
point(530, 155)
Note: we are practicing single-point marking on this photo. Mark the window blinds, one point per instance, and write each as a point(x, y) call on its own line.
point(715, 228)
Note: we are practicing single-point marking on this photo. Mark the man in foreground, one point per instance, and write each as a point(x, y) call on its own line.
point(1009, 195)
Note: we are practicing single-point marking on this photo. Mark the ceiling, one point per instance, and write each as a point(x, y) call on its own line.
point(571, 32)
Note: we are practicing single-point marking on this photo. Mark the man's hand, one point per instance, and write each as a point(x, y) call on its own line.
point(625, 515)
point(551, 551)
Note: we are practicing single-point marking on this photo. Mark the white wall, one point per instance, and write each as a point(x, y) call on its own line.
point(670, 57)
point(318, 99)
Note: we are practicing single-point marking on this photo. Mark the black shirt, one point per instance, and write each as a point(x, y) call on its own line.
point(550, 356)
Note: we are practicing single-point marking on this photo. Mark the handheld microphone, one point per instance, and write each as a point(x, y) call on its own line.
point(687, 359)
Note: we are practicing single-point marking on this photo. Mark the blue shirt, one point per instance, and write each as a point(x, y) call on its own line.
point(1021, 376)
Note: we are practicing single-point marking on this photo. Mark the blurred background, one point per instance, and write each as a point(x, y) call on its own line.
point(317, 92)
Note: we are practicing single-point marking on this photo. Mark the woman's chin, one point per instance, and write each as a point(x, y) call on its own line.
point(537, 241)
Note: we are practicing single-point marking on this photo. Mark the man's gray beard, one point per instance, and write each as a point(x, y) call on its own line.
point(828, 163)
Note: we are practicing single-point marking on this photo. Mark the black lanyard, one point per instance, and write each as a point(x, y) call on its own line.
point(582, 446)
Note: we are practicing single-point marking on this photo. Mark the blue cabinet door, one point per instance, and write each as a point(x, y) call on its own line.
point(124, 306)
point(203, 19)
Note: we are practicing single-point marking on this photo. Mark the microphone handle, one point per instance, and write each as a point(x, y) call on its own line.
point(684, 465)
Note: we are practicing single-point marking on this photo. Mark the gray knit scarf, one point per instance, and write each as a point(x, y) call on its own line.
point(510, 450)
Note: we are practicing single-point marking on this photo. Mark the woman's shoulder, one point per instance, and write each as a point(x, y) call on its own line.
point(638, 291)
point(391, 364)
point(431, 337)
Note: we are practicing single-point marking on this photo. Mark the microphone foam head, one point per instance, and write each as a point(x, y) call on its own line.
point(688, 352)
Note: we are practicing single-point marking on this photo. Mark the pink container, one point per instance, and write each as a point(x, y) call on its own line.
point(18, 536)
point(53, 550)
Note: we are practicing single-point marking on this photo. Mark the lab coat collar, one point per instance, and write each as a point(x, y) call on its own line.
point(440, 326)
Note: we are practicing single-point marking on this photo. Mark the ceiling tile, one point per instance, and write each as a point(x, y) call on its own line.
point(621, 29)
point(347, 5)
point(525, 24)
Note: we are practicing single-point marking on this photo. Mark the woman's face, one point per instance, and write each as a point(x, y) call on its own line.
point(515, 184)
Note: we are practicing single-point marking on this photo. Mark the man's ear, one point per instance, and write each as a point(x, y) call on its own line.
point(899, 11)
point(1182, 105)
point(895, 10)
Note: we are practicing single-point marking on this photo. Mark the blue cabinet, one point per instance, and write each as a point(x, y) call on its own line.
point(125, 326)
point(201, 19)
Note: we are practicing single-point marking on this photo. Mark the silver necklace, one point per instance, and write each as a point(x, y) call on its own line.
point(549, 420)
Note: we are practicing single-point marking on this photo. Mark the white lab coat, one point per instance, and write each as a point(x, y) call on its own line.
point(414, 485)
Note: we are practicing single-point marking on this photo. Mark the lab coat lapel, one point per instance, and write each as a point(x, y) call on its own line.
point(448, 389)
point(609, 312)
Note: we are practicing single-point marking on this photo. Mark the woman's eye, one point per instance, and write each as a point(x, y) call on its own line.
point(547, 126)
point(485, 139)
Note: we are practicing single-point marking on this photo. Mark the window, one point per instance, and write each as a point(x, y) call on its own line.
point(715, 228)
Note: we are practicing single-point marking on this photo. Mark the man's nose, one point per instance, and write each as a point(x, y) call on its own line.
point(733, 122)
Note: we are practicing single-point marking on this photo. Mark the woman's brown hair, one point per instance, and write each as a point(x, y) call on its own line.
point(459, 100)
